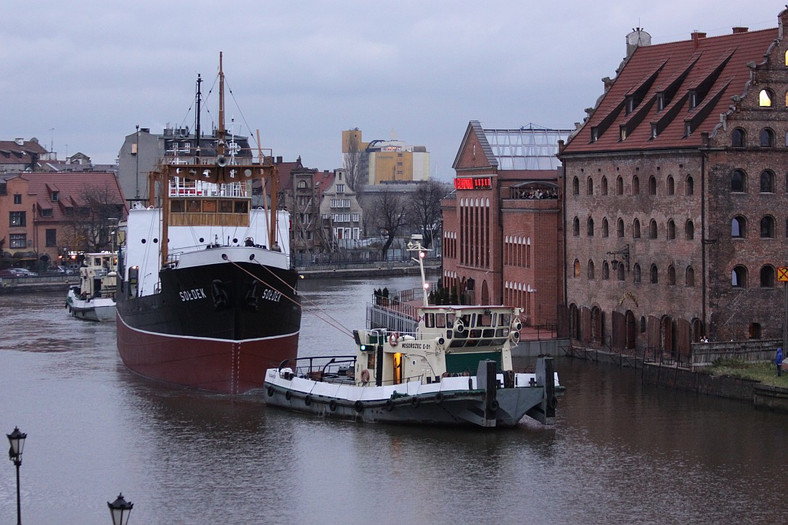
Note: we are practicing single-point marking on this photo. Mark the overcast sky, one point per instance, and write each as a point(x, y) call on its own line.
point(80, 75)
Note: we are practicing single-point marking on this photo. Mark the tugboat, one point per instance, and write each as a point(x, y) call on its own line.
point(94, 298)
point(455, 369)
point(207, 295)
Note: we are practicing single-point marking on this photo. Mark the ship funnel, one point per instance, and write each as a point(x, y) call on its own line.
point(221, 161)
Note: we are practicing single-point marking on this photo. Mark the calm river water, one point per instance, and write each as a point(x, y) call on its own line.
point(621, 452)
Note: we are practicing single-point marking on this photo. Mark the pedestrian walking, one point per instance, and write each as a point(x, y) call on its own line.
point(778, 360)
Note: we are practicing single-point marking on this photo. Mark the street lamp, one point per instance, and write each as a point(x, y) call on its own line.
point(624, 255)
point(120, 510)
point(17, 440)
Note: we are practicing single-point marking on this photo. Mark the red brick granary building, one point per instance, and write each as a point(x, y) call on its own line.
point(676, 190)
point(502, 226)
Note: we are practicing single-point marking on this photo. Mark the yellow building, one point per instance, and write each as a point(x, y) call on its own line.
point(385, 160)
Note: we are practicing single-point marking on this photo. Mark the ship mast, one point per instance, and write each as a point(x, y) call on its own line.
point(221, 132)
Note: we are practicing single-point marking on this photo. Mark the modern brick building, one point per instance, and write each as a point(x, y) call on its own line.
point(676, 194)
point(502, 227)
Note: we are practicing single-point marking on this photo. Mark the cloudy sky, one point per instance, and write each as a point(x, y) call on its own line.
point(80, 75)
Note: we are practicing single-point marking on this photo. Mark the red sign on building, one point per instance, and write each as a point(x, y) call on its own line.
point(473, 183)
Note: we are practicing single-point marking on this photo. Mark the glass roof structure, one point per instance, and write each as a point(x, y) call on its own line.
point(528, 148)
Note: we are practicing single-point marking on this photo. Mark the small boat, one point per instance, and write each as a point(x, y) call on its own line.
point(455, 369)
point(94, 298)
point(207, 294)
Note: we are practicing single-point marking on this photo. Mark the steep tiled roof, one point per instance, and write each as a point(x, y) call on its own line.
point(13, 153)
point(648, 105)
point(72, 189)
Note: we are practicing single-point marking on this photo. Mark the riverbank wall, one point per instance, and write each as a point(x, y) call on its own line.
point(697, 380)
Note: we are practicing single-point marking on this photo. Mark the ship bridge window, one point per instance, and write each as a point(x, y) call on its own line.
point(193, 205)
point(241, 207)
point(429, 320)
point(225, 206)
point(485, 319)
point(440, 320)
point(176, 206)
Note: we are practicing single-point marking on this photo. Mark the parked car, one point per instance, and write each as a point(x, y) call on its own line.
point(60, 270)
point(17, 272)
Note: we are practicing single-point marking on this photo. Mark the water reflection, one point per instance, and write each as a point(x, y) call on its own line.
point(620, 452)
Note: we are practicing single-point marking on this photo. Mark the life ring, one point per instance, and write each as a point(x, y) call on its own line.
point(394, 339)
point(308, 400)
point(365, 376)
point(359, 406)
point(332, 405)
point(494, 405)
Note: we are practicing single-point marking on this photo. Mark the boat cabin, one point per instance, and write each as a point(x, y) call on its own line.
point(98, 275)
point(450, 341)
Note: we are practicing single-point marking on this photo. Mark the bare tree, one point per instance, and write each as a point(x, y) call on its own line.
point(91, 227)
point(425, 209)
point(355, 175)
point(390, 216)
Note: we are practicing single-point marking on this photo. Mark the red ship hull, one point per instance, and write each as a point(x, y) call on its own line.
point(215, 365)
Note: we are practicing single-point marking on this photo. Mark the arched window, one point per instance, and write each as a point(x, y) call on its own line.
point(636, 229)
point(689, 186)
point(619, 186)
point(590, 270)
point(654, 274)
point(577, 268)
point(620, 272)
point(652, 185)
point(620, 228)
point(575, 226)
point(738, 180)
point(605, 271)
point(738, 138)
point(689, 277)
point(738, 227)
point(739, 277)
point(636, 273)
point(603, 186)
point(671, 229)
point(689, 230)
point(589, 186)
point(766, 138)
point(767, 276)
point(765, 98)
point(605, 231)
point(671, 185)
point(590, 227)
point(635, 185)
point(652, 229)
point(767, 181)
point(767, 227)
point(575, 186)
point(671, 275)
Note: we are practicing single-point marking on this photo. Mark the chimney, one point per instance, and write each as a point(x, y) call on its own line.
point(740, 30)
point(19, 141)
point(696, 36)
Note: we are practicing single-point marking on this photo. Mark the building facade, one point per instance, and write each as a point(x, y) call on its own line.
point(502, 227)
point(47, 215)
point(382, 161)
point(676, 196)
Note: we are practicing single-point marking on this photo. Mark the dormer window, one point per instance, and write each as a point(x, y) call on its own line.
point(653, 131)
point(693, 99)
point(594, 134)
point(660, 101)
point(622, 133)
point(630, 105)
point(55, 196)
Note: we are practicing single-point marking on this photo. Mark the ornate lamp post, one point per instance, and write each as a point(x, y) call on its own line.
point(120, 510)
point(17, 440)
